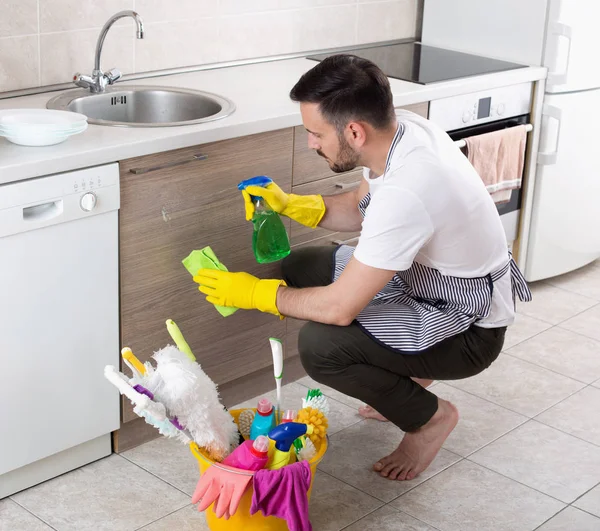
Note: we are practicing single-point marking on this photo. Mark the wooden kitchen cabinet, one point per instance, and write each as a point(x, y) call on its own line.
point(173, 203)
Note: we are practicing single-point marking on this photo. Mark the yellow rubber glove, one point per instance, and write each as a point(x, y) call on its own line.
point(239, 290)
point(308, 210)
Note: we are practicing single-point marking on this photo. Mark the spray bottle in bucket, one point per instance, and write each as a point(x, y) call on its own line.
point(270, 241)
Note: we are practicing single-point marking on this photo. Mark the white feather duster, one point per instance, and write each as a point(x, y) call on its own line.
point(191, 396)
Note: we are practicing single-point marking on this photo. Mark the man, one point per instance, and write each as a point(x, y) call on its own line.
point(429, 290)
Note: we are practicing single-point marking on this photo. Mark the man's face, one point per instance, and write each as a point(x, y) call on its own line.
point(324, 138)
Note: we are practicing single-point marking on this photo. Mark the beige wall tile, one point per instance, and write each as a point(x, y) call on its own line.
point(382, 21)
point(256, 35)
point(18, 17)
point(163, 10)
point(326, 27)
point(179, 43)
point(19, 63)
point(63, 54)
point(231, 7)
point(61, 15)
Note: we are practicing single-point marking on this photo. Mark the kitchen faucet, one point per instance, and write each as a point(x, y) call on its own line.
point(98, 81)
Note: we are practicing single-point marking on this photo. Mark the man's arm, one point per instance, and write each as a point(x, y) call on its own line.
point(340, 302)
point(341, 214)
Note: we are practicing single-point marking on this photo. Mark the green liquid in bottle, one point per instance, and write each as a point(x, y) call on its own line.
point(270, 241)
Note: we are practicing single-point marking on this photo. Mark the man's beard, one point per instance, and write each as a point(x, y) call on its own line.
point(346, 160)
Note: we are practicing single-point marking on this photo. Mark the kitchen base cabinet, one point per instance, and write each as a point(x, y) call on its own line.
point(179, 201)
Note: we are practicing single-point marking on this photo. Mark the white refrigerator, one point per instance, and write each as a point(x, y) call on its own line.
point(564, 36)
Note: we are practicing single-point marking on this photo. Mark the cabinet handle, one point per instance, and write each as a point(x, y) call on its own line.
point(138, 171)
point(348, 186)
point(345, 242)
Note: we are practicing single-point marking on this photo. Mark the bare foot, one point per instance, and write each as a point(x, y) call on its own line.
point(368, 412)
point(418, 449)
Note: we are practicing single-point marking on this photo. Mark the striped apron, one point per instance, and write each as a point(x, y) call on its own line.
point(420, 307)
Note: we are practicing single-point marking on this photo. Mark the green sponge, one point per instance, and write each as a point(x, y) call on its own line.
point(206, 259)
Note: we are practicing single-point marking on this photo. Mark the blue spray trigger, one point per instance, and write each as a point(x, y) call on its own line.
point(259, 180)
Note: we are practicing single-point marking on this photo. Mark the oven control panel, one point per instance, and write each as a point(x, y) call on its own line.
point(467, 110)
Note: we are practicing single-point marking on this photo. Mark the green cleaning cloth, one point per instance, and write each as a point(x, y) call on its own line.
point(206, 259)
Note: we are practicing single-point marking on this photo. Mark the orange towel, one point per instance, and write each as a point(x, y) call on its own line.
point(499, 158)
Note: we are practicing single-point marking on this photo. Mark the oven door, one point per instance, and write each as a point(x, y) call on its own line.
point(510, 211)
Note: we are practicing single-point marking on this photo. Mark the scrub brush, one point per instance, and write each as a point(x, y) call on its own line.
point(245, 420)
point(315, 399)
point(317, 420)
point(305, 449)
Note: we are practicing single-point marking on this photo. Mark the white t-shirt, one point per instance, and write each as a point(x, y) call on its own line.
point(431, 207)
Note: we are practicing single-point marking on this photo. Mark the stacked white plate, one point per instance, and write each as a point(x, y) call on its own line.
point(40, 127)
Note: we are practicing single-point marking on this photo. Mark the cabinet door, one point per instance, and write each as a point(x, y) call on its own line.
point(179, 201)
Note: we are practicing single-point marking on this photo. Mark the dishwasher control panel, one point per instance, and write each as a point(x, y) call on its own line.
point(58, 198)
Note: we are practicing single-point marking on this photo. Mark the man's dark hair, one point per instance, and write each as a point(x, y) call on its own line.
point(346, 88)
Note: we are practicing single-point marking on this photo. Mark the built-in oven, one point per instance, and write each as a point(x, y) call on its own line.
point(478, 113)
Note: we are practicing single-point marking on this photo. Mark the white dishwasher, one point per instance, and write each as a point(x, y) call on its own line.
point(59, 323)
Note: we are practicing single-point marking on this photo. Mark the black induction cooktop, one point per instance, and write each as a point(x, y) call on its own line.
point(424, 64)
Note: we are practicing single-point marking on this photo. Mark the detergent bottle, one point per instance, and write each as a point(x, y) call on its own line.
point(250, 455)
point(270, 241)
point(264, 419)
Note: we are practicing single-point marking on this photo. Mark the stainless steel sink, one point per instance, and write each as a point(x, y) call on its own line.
point(144, 106)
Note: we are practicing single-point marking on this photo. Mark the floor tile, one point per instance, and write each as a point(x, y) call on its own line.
point(467, 496)
point(334, 505)
point(590, 502)
point(474, 429)
point(523, 328)
point(186, 519)
point(331, 393)
point(13, 517)
point(586, 323)
point(578, 415)
point(571, 519)
point(168, 459)
point(354, 451)
point(554, 305)
point(340, 415)
point(585, 281)
point(110, 494)
point(562, 351)
point(519, 386)
point(389, 519)
point(545, 459)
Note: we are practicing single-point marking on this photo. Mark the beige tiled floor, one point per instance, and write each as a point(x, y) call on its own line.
point(525, 455)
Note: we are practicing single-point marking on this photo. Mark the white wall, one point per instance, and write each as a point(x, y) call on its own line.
point(43, 42)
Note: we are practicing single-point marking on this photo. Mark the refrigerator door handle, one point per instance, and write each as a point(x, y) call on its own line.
point(561, 30)
point(550, 157)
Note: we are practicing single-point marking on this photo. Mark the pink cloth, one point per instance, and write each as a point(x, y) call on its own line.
point(284, 493)
point(499, 158)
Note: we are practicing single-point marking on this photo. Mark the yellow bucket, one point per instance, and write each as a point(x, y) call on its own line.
point(242, 520)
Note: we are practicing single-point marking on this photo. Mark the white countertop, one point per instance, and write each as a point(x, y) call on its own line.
point(261, 95)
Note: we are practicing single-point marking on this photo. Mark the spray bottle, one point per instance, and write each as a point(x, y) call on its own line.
point(270, 241)
point(284, 436)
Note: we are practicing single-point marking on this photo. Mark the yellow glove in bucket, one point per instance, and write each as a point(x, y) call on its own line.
point(308, 210)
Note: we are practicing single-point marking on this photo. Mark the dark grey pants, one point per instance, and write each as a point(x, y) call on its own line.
point(349, 360)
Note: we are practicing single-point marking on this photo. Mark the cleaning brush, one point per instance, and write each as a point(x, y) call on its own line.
point(305, 449)
point(317, 420)
point(315, 399)
point(245, 422)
